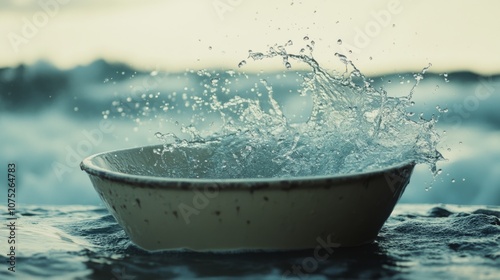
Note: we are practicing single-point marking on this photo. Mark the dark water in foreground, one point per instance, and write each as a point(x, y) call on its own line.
point(417, 242)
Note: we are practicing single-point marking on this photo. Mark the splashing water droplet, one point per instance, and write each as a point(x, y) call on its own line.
point(306, 38)
point(342, 58)
point(159, 135)
point(453, 180)
point(242, 63)
point(339, 41)
point(256, 55)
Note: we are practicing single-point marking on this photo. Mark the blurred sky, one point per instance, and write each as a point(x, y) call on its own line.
point(175, 35)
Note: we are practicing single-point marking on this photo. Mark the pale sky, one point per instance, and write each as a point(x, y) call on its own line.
point(175, 35)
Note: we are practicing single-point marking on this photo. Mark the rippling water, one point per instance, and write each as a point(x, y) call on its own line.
point(417, 242)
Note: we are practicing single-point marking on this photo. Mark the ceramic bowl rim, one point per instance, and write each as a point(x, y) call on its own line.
point(92, 168)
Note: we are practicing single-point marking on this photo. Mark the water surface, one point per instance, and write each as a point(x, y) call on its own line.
point(419, 241)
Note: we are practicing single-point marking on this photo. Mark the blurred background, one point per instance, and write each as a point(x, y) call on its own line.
point(65, 65)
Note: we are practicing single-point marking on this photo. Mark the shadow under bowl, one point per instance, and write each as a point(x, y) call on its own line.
point(163, 213)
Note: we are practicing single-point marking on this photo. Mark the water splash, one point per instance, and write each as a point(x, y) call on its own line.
point(352, 126)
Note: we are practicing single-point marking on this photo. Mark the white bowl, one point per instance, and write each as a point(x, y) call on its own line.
point(160, 213)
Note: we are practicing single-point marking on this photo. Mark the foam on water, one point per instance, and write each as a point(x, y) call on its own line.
point(352, 126)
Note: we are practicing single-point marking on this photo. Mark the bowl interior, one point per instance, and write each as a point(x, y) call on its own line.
point(150, 161)
point(188, 163)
